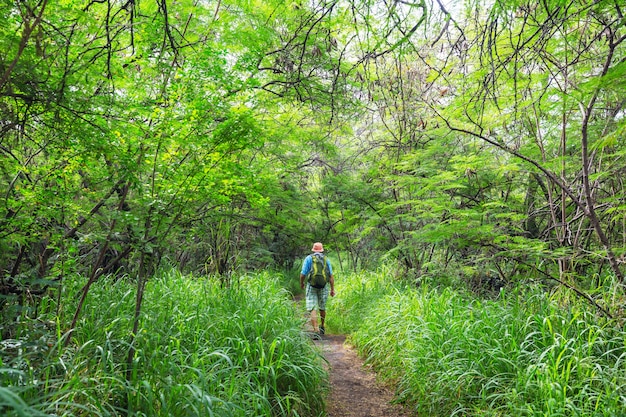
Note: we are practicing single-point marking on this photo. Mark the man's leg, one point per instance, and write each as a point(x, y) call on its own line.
point(323, 297)
point(314, 321)
point(311, 303)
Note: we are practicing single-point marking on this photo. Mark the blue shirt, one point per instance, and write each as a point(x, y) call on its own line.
point(308, 263)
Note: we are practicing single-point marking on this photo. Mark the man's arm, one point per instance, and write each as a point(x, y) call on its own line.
point(306, 268)
point(331, 279)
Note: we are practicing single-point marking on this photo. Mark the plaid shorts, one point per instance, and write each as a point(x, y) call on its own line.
point(316, 297)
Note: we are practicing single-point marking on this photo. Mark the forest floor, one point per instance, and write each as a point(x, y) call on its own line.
point(354, 390)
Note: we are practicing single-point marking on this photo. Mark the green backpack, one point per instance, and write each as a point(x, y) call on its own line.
point(319, 275)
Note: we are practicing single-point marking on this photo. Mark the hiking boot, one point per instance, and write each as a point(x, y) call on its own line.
point(322, 330)
point(315, 336)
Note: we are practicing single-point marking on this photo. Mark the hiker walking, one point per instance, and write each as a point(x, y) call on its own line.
point(319, 272)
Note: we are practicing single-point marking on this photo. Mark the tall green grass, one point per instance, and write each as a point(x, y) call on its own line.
point(453, 355)
point(202, 350)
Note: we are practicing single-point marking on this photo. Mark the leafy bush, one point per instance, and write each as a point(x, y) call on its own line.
point(521, 355)
point(201, 350)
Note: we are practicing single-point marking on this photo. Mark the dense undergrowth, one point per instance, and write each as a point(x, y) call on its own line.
point(202, 351)
point(452, 355)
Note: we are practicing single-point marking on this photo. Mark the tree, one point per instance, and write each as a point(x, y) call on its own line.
point(134, 129)
point(532, 85)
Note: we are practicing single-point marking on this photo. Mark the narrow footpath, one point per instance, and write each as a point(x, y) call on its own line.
point(354, 391)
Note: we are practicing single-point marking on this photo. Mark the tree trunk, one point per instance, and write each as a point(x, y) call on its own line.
point(95, 273)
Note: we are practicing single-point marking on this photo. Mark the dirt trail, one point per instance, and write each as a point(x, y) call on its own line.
point(354, 391)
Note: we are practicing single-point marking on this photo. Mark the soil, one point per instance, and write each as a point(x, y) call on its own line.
point(354, 390)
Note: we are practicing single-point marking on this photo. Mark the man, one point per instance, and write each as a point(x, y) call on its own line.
point(316, 295)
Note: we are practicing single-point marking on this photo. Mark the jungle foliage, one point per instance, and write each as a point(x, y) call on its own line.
point(472, 145)
point(229, 135)
point(201, 350)
point(452, 354)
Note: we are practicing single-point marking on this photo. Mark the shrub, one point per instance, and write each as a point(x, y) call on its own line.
point(201, 350)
